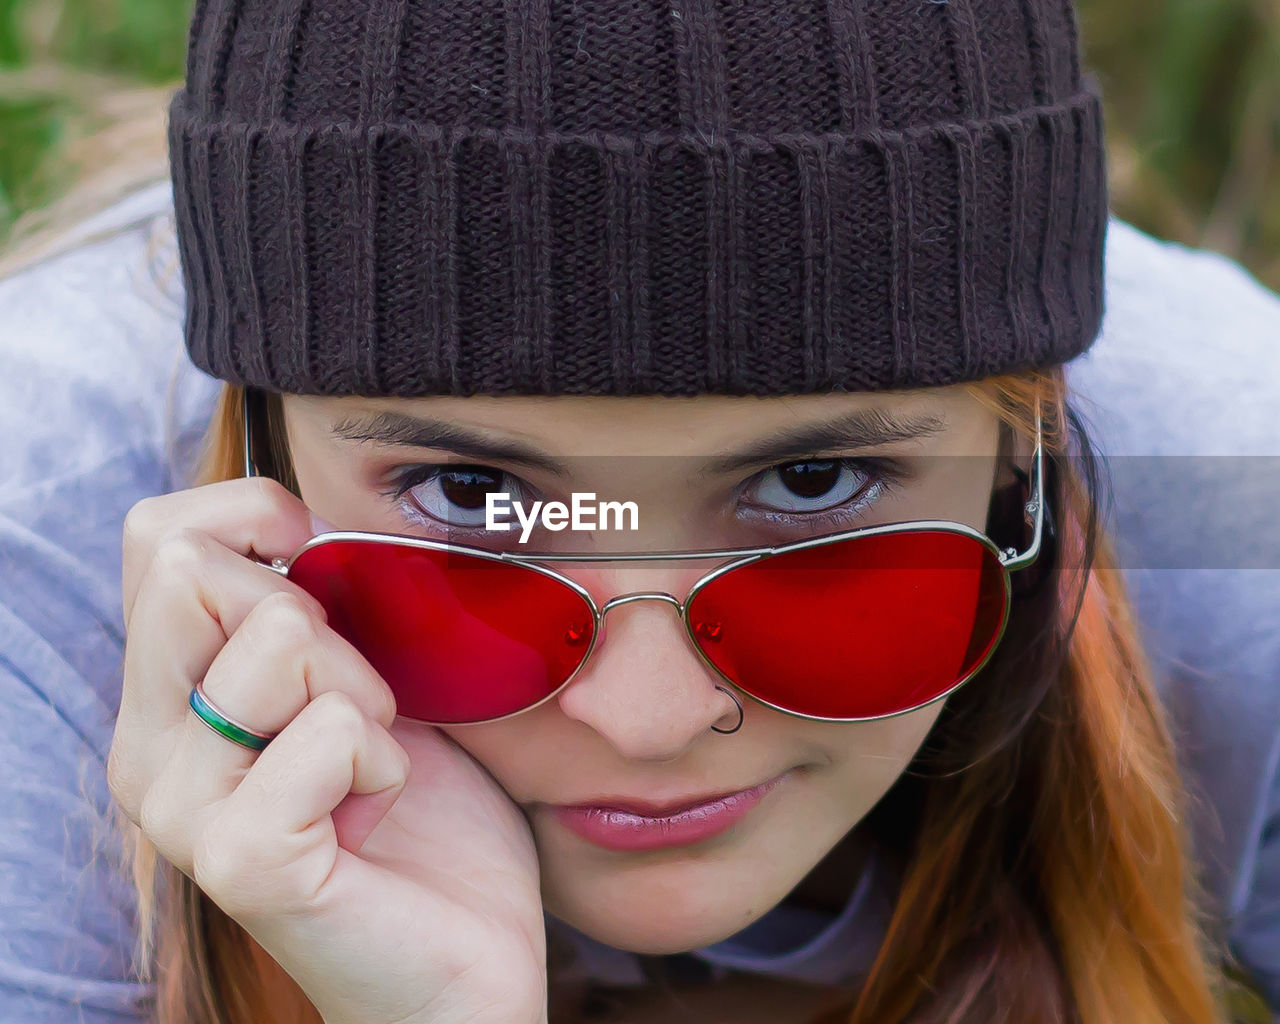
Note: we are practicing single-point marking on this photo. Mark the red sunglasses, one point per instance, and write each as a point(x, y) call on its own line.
point(848, 627)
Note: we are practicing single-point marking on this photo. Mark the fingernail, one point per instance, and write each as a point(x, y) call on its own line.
point(318, 525)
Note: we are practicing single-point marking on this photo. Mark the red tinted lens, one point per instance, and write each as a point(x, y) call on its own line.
point(458, 638)
point(859, 628)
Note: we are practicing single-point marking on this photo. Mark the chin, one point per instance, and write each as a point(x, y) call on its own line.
point(658, 908)
point(654, 931)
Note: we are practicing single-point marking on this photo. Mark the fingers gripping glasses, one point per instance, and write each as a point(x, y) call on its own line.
point(853, 626)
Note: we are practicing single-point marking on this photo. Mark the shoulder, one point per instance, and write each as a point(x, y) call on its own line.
point(96, 402)
point(89, 336)
point(1179, 394)
point(98, 376)
point(1186, 333)
point(89, 339)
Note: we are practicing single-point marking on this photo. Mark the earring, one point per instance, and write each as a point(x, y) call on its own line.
point(740, 713)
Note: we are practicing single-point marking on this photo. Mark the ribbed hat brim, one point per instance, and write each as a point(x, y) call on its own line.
point(409, 259)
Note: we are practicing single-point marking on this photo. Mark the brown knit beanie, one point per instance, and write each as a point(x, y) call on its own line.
point(411, 197)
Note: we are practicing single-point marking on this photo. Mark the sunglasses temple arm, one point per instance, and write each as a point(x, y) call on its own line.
point(276, 565)
point(1034, 509)
point(250, 470)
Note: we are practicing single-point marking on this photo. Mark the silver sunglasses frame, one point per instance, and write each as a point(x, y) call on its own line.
point(1010, 560)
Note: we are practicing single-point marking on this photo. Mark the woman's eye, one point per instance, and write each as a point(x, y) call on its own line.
point(454, 495)
point(814, 486)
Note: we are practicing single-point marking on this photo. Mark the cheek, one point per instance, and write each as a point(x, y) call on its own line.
point(872, 755)
point(506, 750)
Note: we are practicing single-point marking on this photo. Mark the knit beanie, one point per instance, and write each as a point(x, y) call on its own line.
point(414, 197)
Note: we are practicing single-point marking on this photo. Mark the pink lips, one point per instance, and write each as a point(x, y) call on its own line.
point(616, 828)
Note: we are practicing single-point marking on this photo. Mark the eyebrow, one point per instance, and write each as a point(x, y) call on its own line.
point(397, 428)
point(863, 428)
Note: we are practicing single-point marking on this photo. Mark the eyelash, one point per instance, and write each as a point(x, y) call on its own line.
point(882, 478)
point(409, 478)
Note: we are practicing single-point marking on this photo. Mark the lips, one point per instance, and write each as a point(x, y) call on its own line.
point(629, 824)
point(650, 809)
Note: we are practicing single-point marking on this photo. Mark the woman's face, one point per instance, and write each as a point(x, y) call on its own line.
point(705, 473)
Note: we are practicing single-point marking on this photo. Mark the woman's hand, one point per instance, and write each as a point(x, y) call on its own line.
point(377, 862)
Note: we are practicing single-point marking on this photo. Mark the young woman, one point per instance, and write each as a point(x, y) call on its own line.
point(876, 737)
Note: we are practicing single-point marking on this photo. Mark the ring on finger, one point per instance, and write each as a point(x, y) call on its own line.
point(221, 723)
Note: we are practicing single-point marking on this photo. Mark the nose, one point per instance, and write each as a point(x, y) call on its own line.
point(644, 688)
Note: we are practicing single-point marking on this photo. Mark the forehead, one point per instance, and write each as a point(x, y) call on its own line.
point(649, 425)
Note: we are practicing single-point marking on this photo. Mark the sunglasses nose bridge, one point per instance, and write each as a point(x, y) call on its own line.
point(643, 595)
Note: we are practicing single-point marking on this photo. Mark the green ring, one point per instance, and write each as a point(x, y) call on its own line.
point(222, 725)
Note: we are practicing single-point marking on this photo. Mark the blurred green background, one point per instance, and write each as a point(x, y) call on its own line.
point(1192, 90)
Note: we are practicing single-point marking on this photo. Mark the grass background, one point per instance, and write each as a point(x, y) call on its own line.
point(1192, 91)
